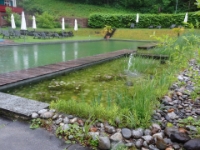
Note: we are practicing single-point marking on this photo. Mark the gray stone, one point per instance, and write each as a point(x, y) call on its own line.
point(137, 134)
point(73, 120)
point(126, 133)
point(176, 146)
point(42, 111)
point(156, 126)
point(65, 127)
point(147, 138)
point(47, 115)
point(179, 137)
point(116, 137)
point(110, 129)
point(172, 115)
point(34, 115)
point(59, 120)
point(191, 128)
point(66, 120)
point(152, 147)
point(104, 143)
point(160, 135)
point(193, 144)
point(170, 130)
point(55, 116)
point(19, 105)
point(70, 116)
point(147, 132)
point(139, 143)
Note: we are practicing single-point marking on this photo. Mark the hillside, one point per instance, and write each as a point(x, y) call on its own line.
point(62, 8)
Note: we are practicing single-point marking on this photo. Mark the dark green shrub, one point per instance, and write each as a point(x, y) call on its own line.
point(145, 20)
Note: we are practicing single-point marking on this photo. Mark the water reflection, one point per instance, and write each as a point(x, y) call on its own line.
point(63, 47)
point(25, 61)
point(35, 53)
point(75, 50)
point(15, 54)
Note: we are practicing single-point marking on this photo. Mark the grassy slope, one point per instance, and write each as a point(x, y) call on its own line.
point(63, 8)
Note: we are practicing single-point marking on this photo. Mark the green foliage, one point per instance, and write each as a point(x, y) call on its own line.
point(78, 134)
point(36, 123)
point(45, 20)
point(16, 16)
point(124, 20)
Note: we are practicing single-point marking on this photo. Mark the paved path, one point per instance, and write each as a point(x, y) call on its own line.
point(15, 135)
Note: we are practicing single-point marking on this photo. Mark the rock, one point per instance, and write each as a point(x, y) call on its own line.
point(193, 144)
point(160, 143)
point(179, 137)
point(139, 143)
point(66, 120)
point(126, 133)
point(47, 115)
point(152, 147)
point(137, 134)
point(143, 148)
point(73, 120)
point(42, 111)
point(172, 115)
point(116, 137)
point(65, 127)
point(129, 144)
point(59, 120)
point(110, 129)
point(104, 143)
point(160, 135)
point(70, 116)
point(55, 116)
point(147, 132)
point(95, 135)
point(169, 130)
point(176, 146)
point(147, 138)
point(156, 126)
point(34, 115)
point(191, 128)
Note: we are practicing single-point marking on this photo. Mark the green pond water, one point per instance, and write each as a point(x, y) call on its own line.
point(13, 58)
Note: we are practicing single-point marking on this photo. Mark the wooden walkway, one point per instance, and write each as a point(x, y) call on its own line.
point(147, 46)
point(39, 72)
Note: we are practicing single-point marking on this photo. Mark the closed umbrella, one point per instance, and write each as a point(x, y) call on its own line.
point(137, 18)
point(23, 22)
point(75, 25)
point(34, 23)
point(186, 18)
point(13, 26)
point(63, 24)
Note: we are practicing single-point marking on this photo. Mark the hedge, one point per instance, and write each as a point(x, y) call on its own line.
point(145, 20)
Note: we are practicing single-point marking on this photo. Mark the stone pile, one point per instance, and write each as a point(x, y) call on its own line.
point(164, 133)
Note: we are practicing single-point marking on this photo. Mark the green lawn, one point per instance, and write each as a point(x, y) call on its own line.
point(64, 8)
point(93, 34)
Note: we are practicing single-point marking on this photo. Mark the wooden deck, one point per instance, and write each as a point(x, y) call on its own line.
point(147, 46)
point(8, 79)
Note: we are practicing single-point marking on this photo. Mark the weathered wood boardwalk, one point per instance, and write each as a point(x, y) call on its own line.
point(148, 46)
point(27, 75)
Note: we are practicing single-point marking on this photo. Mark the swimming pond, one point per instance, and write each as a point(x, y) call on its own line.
point(13, 58)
